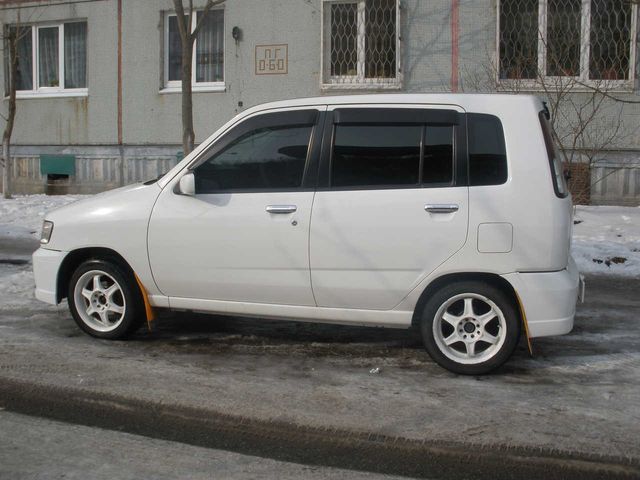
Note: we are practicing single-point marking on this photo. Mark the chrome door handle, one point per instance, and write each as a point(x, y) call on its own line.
point(281, 208)
point(444, 208)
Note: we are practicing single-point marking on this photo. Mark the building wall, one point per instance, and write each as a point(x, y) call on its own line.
point(151, 119)
point(74, 121)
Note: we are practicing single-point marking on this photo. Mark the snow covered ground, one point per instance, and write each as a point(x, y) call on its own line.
point(605, 239)
point(22, 216)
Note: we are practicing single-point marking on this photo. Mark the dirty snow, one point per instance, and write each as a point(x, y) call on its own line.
point(22, 216)
point(605, 239)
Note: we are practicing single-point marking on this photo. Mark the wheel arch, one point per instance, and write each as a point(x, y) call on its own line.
point(73, 260)
point(440, 282)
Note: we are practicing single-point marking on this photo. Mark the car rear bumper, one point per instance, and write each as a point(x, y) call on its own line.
point(548, 299)
point(46, 264)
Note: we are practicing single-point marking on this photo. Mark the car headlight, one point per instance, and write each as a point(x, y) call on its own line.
point(47, 228)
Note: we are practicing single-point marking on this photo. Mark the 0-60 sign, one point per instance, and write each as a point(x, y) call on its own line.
point(272, 59)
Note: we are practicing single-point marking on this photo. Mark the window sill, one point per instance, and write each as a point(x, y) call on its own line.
point(80, 92)
point(195, 89)
point(361, 86)
point(525, 86)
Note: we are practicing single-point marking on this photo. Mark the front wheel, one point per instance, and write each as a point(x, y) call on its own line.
point(104, 300)
point(470, 327)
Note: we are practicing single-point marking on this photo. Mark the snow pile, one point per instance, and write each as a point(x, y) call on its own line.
point(23, 215)
point(607, 240)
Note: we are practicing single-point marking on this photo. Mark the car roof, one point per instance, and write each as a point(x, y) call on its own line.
point(468, 101)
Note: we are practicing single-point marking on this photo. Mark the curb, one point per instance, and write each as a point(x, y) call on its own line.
point(308, 445)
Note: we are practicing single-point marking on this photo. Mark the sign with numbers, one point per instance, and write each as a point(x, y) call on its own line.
point(272, 59)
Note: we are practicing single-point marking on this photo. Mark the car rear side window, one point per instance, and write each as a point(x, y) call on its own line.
point(437, 165)
point(487, 151)
point(389, 156)
point(375, 155)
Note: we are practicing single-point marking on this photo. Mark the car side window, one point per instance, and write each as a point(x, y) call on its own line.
point(385, 155)
point(267, 158)
point(374, 155)
point(438, 159)
point(487, 151)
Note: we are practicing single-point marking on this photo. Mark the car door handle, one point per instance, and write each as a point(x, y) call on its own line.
point(441, 208)
point(281, 208)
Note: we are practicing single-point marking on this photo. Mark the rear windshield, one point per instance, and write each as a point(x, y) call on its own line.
point(487, 151)
point(559, 183)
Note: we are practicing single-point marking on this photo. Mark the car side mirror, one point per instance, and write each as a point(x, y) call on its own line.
point(187, 184)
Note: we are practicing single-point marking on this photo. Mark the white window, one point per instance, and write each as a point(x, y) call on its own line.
point(208, 52)
point(361, 44)
point(585, 40)
point(52, 60)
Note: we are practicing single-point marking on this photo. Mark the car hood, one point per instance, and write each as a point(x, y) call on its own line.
point(92, 220)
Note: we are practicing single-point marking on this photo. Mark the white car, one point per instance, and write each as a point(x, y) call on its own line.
point(445, 212)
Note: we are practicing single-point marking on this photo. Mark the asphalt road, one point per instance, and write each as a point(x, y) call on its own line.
point(37, 448)
point(304, 393)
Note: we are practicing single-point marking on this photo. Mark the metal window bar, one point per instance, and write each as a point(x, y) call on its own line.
point(361, 43)
point(588, 40)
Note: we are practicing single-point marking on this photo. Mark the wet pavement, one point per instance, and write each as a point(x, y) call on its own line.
point(577, 398)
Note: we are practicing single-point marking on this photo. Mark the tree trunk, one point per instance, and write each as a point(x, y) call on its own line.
point(188, 134)
point(11, 114)
point(6, 171)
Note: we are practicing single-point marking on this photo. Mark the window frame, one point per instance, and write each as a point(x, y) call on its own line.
point(583, 82)
point(175, 86)
point(38, 91)
point(358, 81)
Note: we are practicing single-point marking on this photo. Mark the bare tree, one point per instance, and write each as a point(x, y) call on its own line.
point(188, 37)
point(12, 35)
point(586, 117)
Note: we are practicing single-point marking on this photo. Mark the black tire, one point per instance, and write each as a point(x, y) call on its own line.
point(127, 297)
point(485, 300)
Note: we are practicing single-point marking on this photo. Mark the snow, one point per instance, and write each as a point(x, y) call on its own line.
point(22, 216)
point(606, 240)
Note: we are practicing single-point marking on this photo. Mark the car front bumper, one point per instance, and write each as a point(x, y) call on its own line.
point(46, 264)
point(549, 299)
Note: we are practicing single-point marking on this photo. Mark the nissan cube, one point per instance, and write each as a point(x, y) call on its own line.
point(448, 213)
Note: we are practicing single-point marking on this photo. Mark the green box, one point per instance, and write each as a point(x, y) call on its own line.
point(57, 164)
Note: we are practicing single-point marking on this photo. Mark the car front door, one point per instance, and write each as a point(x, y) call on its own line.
point(392, 203)
point(244, 235)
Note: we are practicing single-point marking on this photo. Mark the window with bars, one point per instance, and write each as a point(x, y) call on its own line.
point(208, 51)
point(588, 40)
point(52, 58)
point(361, 43)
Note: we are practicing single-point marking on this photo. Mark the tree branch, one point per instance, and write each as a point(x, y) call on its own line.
point(210, 4)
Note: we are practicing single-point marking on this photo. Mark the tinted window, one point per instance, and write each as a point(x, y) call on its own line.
point(370, 155)
point(263, 159)
point(438, 155)
point(487, 152)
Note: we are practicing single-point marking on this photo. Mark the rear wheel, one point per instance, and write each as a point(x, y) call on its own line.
point(104, 300)
point(470, 327)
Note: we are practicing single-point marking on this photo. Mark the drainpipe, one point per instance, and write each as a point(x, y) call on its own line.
point(455, 37)
point(120, 141)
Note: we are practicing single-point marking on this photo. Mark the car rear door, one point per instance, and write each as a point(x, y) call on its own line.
point(244, 235)
point(391, 205)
